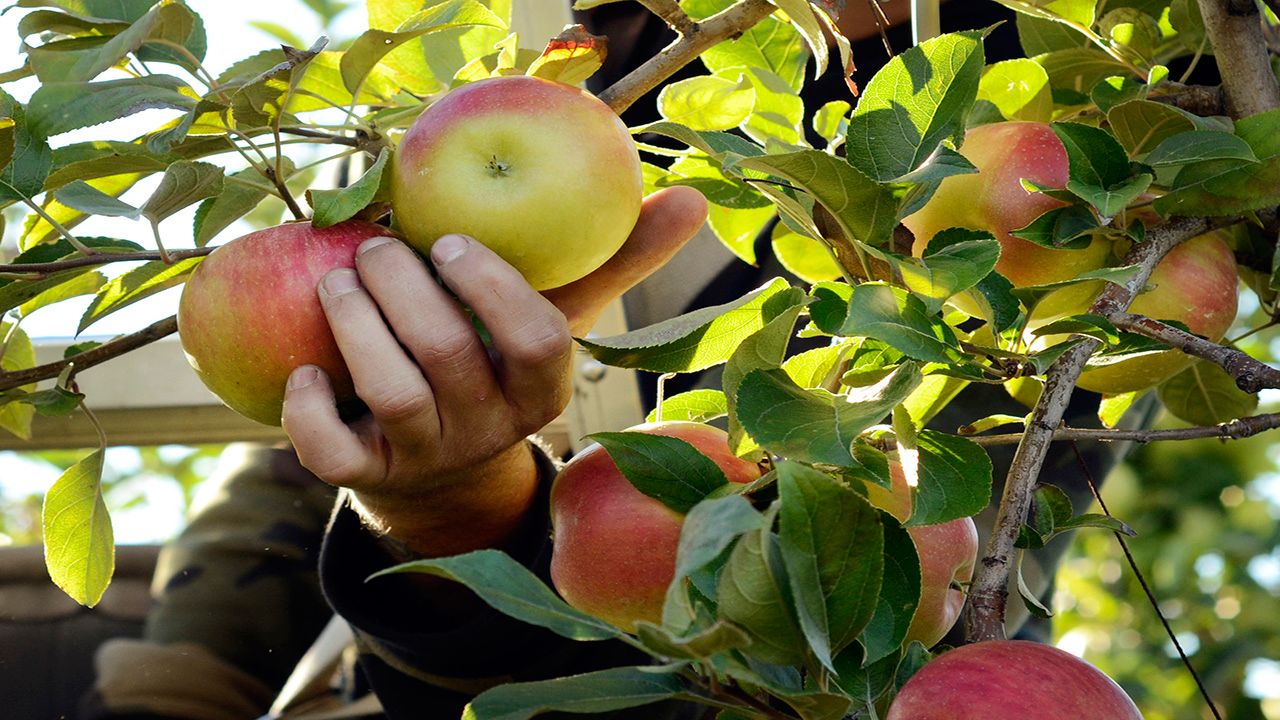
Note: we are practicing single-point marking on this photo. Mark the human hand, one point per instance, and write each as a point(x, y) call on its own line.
point(440, 462)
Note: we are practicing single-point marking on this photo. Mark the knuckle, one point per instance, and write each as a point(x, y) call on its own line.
point(448, 351)
point(543, 342)
point(400, 403)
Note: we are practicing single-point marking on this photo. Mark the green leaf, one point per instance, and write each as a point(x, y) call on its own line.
point(334, 206)
point(19, 354)
point(752, 594)
point(30, 157)
point(89, 200)
point(865, 209)
point(813, 425)
point(718, 145)
point(1113, 407)
point(1050, 508)
point(8, 139)
point(692, 406)
point(667, 469)
point(594, 692)
point(914, 103)
point(718, 638)
point(813, 368)
point(1204, 394)
point(1189, 147)
point(1227, 187)
point(183, 183)
point(831, 120)
point(954, 479)
point(691, 342)
point(708, 530)
point(17, 292)
point(1141, 125)
point(79, 547)
point(1029, 599)
point(898, 597)
point(36, 230)
point(950, 268)
point(510, 588)
point(1065, 228)
point(1099, 168)
point(59, 107)
point(169, 21)
point(902, 320)
point(1094, 326)
point(372, 45)
point(84, 284)
point(54, 402)
point(707, 102)
point(831, 541)
point(137, 284)
point(1075, 70)
point(1039, 36)
point(570, 57)
point(1019, 89)
point(241, 193)
point(778, 113)
point(770, 44)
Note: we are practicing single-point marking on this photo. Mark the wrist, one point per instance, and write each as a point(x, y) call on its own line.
point(482, 507)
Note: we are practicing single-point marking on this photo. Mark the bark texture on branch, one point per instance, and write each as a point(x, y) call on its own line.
point(699, 37)
point(1237, 429)
point(89, 358)
point(1251, 375)
point(1235, 31)
point(985, 610)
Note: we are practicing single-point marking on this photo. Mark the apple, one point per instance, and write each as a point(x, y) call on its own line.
point(948, 552)
point(1196, 284)
point(544, 174)
point(614, 550)
point(1010, 680)
point(993, 199)
point(249, 313)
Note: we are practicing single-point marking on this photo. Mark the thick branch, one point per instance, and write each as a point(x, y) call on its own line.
point(101, 258)
point(1202, 100)
point(1251, 375)
point(984, 612)
point(89, 358)
point(700, 36)
point(1237, 429)
point(1235, 30)
point(671, 14)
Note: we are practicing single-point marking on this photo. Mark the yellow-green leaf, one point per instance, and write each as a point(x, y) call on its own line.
point(79, 546)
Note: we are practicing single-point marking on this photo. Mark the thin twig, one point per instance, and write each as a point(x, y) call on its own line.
point(985, 609)
point(57, 226)
point(101, 258)
point(1237, 429)
point(1142, 581)
point(1251, 375)
point(671, 14)
point(882, 24)
point(1234, 28)
point(89, 358)
point(701, 35)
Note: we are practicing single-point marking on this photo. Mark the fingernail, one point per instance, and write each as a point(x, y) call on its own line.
point(302, 377)
point(372, 243)
point(448, 248)
point(340, 282)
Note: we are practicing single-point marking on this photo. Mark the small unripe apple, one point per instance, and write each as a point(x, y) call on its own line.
point(615, 547)
point(542, 173)
point(1010, 680)
point(948, 552)
point(249, 313)
point(994, 199)
point(1196, 283)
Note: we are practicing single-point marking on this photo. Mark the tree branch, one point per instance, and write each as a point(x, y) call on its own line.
point(671, 14)
point(1235, 31)
point(1237, 429)
point(1202, 100)
point(700, 35)
point(89, 358)
point(985, 609)
point(1251, 375)
point(101, 258)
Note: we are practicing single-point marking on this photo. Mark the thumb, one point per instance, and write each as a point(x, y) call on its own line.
point(668, 219)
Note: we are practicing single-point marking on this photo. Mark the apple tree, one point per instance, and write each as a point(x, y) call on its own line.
point(1082, 215)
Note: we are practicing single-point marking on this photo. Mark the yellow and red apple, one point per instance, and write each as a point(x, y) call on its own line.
point(249, 314)
point(542, 173)
point(614, 551)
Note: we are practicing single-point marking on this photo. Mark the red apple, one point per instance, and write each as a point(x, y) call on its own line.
point(993, 199)
point(249, 313)
point(542, 173)
point(1196, 284)
point(948, 552)
point(1010, 680)
point(615, 547)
